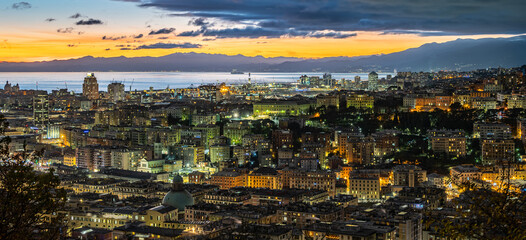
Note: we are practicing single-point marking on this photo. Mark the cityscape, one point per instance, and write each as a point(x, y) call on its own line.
point(417, 131)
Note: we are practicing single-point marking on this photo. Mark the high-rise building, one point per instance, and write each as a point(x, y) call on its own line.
point(41, 110)
point(90, 87)
point(116, 91)
point(357, 79)
point(372, 82)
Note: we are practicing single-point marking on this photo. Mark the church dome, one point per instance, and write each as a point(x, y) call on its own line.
point(178, 197)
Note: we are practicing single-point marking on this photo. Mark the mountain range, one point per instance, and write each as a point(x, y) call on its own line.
point(460, 55)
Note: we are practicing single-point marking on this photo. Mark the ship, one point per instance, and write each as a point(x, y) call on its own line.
point(235, 71)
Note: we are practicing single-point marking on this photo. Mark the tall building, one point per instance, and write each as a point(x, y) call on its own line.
point(116, 91)
point(357, 79)
point(372, 83)
point(90, 87)
point(41, 110)
point(409, 175)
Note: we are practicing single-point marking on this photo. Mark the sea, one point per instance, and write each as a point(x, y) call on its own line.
point(158, 80)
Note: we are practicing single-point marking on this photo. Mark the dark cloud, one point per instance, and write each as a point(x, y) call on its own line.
point(65, 30)
point(200, 22)
point(162, 31)
point(169, 46)
point(125, 48)
point(138, 36)
point(449, 16)
point(257, 32)
point(418, 32)
point(113, 38)
point(90, 21)
point(50, 19)
point(72, 45)
point(21, 5)
point(107, 49)
point(162, 37)
point(75, 16)
point(208, 39)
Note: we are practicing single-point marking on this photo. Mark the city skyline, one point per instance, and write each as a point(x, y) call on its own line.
point(57, 29)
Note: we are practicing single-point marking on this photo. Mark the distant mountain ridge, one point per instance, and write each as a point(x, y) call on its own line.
point(460, 54)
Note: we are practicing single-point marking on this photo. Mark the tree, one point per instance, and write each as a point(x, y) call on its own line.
point(486, 213)
point(31, 202)
point(456, 106)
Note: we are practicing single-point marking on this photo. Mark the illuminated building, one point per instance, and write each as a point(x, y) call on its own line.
point(359, 151)
point(227, 197)
point(302, 214)
point(360, 101)
point(372, 81)
point(116, 92)
point(209, 132)
point(449, 142)
point(204, 119)
point(409, 175)
point(282, 107)
point(327, 101)
point(365, 189)
point(497, 151)
point(90, 87)
point(70, 159)
point(463, 173)
point(93, 157)
point(350, 230)
point(319, 180)
point(196, 177)
point(219, 153)
point(264, 177)
point(517, 101)
point(41, 110)
point(228, 179)
point(491, 130)
point(235, 131)
point(484, 103)
point(385, 143)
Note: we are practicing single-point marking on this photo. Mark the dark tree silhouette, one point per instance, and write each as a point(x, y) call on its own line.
point(31, 202)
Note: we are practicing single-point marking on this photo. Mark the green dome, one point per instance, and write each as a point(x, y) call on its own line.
point(178, 199)
point(178, 179)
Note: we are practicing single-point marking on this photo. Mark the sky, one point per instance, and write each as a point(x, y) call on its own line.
point(42, 30)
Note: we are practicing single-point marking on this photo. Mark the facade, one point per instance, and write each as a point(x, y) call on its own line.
point(41, 110)
point(227, 179)
point(90, 87)
point(463, 173)
point(282, 107)
point(327, 101)
point(491, 130)
point(449, 142)
point(372, 81)
point(219, 153)
point(360, 101)
point(365, 189)
point(116, 92)
point(409, 175)
point(497, 151)
point(235, 131)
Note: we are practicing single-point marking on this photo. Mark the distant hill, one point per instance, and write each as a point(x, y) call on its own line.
point(460, 54)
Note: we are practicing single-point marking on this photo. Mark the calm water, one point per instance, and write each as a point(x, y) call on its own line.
point(144, 80)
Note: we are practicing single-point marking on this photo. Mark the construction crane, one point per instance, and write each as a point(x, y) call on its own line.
point(133, 80)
